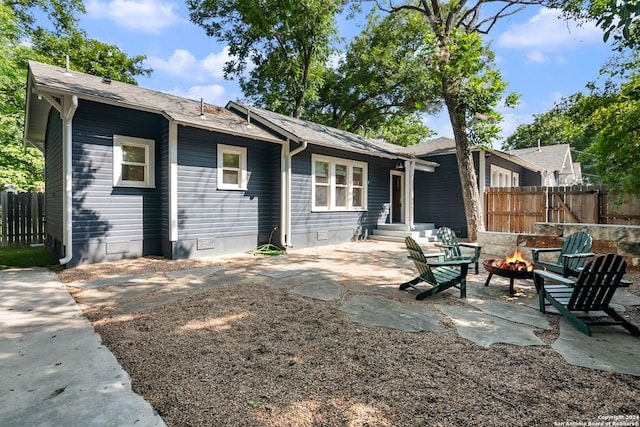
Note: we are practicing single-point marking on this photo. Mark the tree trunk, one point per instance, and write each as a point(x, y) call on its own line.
point(466, 168)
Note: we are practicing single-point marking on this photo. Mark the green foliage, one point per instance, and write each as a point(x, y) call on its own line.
point(602, 127)
point(617, 144)
point(381, 83)
point(88, 55)
point(288, 42)
point(20, 167)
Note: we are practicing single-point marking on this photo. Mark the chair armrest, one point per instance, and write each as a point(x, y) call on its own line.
point(435, 255)
point(455, 263)
point(546, 249)
point(470, 245)
point(442, 245)
point(583, 255)
point(557, 278)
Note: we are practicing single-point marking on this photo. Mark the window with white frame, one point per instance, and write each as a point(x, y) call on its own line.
point(501, 177)
point(133, 162)
point(232, 167)
point(338, 184)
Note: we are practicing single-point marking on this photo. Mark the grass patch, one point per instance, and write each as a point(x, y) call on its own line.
point(25, 257)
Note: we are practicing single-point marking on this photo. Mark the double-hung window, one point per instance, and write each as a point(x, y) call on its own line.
point(338, 184)
point(232, 167)
point(133, 162)
point(501, 177)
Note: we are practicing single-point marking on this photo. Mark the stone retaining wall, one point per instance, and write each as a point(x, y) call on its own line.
point(620, 239)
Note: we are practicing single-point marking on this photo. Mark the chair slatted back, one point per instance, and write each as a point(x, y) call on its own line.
point(420, 261)
point(576, 243)
point(597, 283)
point(448, 237)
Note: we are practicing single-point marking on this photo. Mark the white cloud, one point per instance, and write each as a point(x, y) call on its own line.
point(146, 16)
point(547, 32)
point(184, 64)
point(536, 57)
point(212, 94)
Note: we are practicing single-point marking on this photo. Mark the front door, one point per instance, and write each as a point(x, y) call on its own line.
point(397, 196)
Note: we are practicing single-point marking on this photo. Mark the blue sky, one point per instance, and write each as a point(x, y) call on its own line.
point(542, 57)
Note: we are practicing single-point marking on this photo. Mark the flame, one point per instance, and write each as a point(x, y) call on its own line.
point(515, 256)
point(517, 261)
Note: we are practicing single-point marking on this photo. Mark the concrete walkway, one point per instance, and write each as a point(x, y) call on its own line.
point(54, 370)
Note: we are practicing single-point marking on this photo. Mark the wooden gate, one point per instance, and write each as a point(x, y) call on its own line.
point(517, 209)
point(21, 218)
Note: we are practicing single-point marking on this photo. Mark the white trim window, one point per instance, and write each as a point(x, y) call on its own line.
point(338, 184)
point(501, 177)
point(133, 162)
point(232, 167)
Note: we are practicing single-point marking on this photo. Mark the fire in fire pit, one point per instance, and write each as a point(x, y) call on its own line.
point(514, 261)
point(513, 266)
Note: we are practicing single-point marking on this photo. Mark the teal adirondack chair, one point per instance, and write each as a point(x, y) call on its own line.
point(440, 275)
point(448, 241)
point(590, 292)
point(572, 255)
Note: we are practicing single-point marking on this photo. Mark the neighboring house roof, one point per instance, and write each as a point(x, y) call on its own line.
point(432, 147)
point(444, 146)
point(47, 79)
point(313, 133)
point(552, 159)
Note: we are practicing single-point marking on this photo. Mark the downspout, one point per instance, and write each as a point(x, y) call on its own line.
point(286, 232)
point(70, 104)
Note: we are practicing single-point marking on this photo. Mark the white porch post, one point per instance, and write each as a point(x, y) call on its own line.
point(173, 181)
point(409, 167)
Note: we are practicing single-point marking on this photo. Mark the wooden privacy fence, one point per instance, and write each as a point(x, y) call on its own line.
point(517, 209)
point(21, 218)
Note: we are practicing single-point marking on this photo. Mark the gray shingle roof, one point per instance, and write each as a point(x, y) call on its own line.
point(57, 81)
point(314, 133)
point(547, 157)
point(432, 147)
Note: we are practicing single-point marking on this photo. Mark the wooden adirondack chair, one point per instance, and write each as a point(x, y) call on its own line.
point(572, 256)
point(591, 291)
point(440, 275)
point(449, 242)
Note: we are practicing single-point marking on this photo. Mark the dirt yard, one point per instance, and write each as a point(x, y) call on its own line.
point(246, 354)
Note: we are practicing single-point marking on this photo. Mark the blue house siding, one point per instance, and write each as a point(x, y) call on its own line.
point(212, 221)
point(53, 178)
point(438, 197)
point(309, 228)
point(440, 200)
point(109, 222)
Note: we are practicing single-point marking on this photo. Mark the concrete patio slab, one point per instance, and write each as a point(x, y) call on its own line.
point(201, 271)
point(486, 330)
point(324, 290)
point(110, 281)
point(292, 280)
point(378, 311)
point(610, 348)
point(518, 313)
